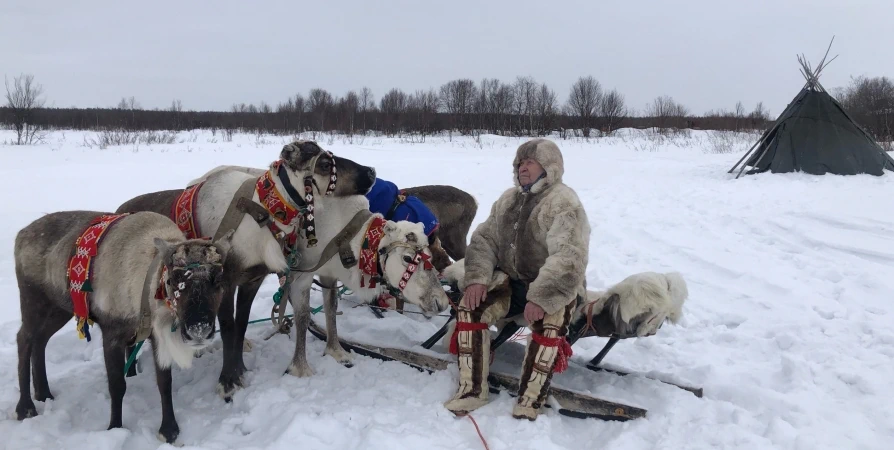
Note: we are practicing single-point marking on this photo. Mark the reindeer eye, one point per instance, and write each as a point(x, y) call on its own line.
point(408, 259)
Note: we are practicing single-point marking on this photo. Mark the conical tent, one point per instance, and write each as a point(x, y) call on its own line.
point(815, 135)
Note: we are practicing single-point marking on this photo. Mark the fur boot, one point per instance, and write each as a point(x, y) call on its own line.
point(473, 348)
point(546, 347)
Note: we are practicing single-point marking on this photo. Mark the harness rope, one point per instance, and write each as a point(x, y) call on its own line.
point(133, 354)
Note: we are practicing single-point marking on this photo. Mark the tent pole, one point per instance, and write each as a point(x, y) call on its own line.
point(758, 158)
point(750, 150)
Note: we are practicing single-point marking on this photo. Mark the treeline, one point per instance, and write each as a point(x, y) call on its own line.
point(522, 107)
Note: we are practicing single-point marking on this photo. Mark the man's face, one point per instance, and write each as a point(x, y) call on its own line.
point(528, 171)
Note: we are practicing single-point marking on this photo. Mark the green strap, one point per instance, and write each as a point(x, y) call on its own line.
point(133, 354)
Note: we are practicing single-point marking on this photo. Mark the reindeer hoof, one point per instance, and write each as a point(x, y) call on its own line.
point(227, 386)
point(302, 371)
point(247, 346)
point(43, 396)
point(25, 411)
point(168, 433)
point(340, 355)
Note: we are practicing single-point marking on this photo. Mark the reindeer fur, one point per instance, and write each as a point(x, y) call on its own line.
point(42, 253)
point(255, 252)
point(454, 208)
point(424, 289)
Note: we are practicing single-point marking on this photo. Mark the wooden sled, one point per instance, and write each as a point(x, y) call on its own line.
point(570, 403)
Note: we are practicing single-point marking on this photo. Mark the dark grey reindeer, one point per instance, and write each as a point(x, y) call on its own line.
point(139, 255)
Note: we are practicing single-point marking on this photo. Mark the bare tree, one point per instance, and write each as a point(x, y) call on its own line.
point(583, 100)
point(393, 106)
point(504, 99)
point(740, 114)
point(666, 113)
point(870, 101)
point(525, 102)
point(352, 105)
point(319, 101)
point(458, 99)
point(547, 109)
point(129, 104)
point(612, 110)
point(759, 117)
point(23, 100)
point(485, 104)
point(367, 103)
point(423, 107)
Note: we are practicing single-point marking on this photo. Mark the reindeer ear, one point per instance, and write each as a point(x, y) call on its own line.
point(309, 149)
point(390, 227)
point(164, 249)
point(290, 155)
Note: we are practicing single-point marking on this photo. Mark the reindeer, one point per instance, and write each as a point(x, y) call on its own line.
point(454, 208)
point(260, 240)
point(139, 254)
point(374, 254)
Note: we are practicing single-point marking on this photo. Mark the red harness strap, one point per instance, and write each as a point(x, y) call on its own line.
point(183, 211)
point(369, 252)
point(464, 326)
point(270, 198)
point(80, 268)
point(564, 349)
point(281, 210)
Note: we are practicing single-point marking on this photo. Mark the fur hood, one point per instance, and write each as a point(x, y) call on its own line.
point(545, 152)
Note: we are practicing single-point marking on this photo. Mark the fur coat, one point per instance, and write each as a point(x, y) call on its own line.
point(540, 236)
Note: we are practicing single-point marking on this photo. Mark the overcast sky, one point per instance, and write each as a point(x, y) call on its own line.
point(210, 54)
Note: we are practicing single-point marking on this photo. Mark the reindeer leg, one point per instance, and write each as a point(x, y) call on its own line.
point(230, 377)
point(330, 307)
point(25, 408)
point(244, 299)
point(52, 322)
point(112, 351)
point(300, 299)
point(169, 429)
point(38, 316)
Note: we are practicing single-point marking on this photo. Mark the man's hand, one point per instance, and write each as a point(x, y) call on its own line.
point(474, 295)
point(533, 312)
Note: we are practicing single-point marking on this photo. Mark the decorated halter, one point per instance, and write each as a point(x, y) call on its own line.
point(171, 294)
point(309, 183)
point(372, 258)
point(285, 213)
point(412, 267)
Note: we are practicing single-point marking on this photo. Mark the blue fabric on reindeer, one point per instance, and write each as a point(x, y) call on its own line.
point(382, 198)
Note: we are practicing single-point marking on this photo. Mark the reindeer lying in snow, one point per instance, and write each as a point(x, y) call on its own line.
point(635, 307)
point(132, 258)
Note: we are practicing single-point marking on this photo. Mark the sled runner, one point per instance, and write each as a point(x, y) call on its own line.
point(503, 377)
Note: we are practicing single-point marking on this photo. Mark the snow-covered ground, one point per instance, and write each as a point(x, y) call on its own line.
point(789, 326)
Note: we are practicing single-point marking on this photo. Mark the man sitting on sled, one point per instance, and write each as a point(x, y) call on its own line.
point(538, 234)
